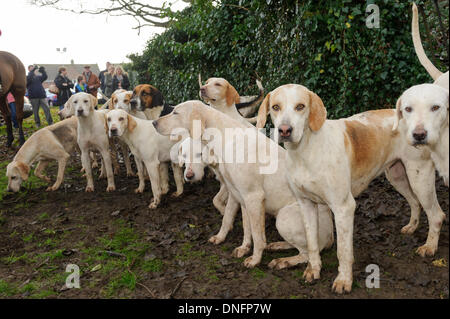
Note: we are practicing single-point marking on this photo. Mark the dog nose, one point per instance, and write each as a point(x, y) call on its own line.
point(80, 112)
point(133, 103)
point(420, 135)
point(285, 130)
point(190, 175)
point(113, 131)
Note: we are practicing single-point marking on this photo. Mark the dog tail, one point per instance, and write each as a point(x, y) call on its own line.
point(426, 63)
point(255, 101)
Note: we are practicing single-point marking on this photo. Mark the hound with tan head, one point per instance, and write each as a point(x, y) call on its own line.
point(330, 162)
point(255, 193)
point(52, 143)
point(423, 121)
point(222, 96)
point(150, 149)
point(92, 135)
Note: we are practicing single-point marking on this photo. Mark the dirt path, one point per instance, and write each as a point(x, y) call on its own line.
point(125, 250)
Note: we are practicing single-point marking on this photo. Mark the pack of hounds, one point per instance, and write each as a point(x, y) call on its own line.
point(322, 167)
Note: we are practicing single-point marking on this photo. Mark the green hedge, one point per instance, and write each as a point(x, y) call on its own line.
point(324, 45)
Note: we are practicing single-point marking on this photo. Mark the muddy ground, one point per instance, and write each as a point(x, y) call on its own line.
point(124, 250)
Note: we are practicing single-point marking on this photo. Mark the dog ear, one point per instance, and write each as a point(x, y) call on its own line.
point(263, 111)
point(24, 170)
point(131, 123)
point(157, 97)
point(194, 119)
point(398, 114)
point(231, 95)
point(209, 157)
point(93, 101)
point(317, 112)
point(180, 157)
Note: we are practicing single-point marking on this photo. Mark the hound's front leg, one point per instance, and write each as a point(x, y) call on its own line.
point(310, 218)
point(62, 161)
point(343, 216)
point(86, 162)
point(109, 171)
point(140, 172)
point(126, 158)
point(153, 172)
point(254, 204)
point(227, 221)
point(178, 176)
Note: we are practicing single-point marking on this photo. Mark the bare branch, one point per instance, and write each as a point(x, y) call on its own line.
point(142, 11)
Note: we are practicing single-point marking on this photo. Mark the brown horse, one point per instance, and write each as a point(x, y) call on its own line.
point(12, 79)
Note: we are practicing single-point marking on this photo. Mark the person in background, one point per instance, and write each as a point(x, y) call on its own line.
point(36, 93)
point(108, 81)
point(92, 81)
point(64, 85)
point(81, 84)
point(120, 80)
point(101, 77)
point(12, 106)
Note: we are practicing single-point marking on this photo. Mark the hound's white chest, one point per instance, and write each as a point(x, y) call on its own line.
point(303, 184)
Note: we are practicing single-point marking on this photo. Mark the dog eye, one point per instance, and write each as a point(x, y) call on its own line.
point(218, 84)
point(13, 177)
point(75, 102)
point(408, 109)
point(125, 101)
point(109, 119)
point(435, 108)
point(300, 107)
point(120, 118)
point(85, 101)
point(276, 107)
point(174, 113)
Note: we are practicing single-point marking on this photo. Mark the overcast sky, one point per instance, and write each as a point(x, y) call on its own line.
point(33, 34)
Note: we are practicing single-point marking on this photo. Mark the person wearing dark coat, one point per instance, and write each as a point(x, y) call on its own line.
point(36, 93)
point(64, 85)
point(120, 79)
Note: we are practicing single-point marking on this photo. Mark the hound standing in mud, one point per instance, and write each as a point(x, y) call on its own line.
point(358, 149)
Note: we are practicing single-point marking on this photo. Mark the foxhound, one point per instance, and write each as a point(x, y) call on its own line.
point(257, 193)
point(149, 148)
point(52, 143)
point(358, 149)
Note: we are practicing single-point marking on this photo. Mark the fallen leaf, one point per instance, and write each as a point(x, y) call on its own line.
point(96, 268)
point(440, 262)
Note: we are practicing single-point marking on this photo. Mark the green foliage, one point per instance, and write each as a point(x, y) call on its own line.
point(324, 45)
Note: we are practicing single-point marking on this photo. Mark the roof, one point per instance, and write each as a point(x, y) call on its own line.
point(73, 70)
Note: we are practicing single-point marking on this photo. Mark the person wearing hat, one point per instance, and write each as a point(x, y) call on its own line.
point(92, 81)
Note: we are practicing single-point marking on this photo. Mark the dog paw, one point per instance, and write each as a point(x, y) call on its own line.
point(131, 174)
point(409, 229)
point(139, 190)
point(51, 188)
point(342, 284)
point(251, 262)
point(111, 188)
point(102, 176)
point(311, 274)
point(82, 170)
point(176, 194)
point(89, 189)
point(153, 204)
point(240, 252)
point(426, 250)
point(94, 165)
point(164, 190)
point(216, 240)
